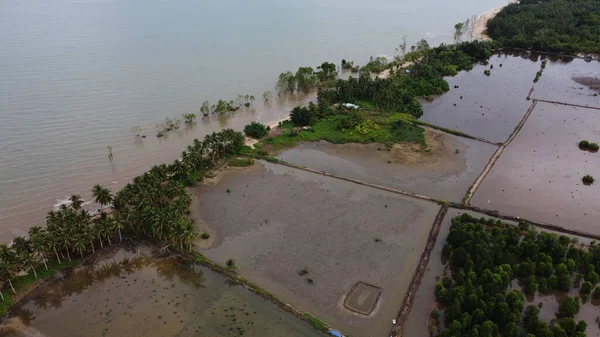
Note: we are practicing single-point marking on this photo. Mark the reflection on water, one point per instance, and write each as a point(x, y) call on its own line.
point(132, 293)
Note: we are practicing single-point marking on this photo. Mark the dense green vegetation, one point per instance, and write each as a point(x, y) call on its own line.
point(587, 146)
point(155, 205)
point(359, 129)
point(486, 255)
point(570, 26)
point(398, 92)
point(587, 179)
point(305, 78)
point(256, 130)
point(387, 106)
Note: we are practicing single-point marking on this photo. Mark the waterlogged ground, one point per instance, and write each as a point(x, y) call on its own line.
point(487, 107)
point(445, 170)
point(276, 221)
point(573, 81)
point(539, 174)
point(130, 293)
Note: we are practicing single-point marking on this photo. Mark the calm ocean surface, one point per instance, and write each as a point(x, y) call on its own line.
point(76, 75)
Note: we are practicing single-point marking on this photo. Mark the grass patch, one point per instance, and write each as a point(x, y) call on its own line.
point(23, 283)
point(315, 322)
point(383, 130)
point(205, 236)
point(241, 162)
point(587, 179)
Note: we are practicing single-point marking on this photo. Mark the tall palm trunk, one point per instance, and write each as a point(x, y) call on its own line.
point(11, 286)
point(44, 259)
point(34, 272)
point(101, 244)
point(56, 253)
point(68, 255)
point(120, 237)
point(2, 295)
point(108, 238)
point(93, 250)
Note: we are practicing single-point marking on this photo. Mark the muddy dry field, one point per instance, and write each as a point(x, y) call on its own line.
point(570, 81)
point(487, 107)
point(130, 293)
point(444, 172)
point(539, 174)
point(417, 323)
point(277, 221)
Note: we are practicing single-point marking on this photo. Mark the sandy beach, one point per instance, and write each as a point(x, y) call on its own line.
point(481, 22)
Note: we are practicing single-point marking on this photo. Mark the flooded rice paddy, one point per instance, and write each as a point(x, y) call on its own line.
point(445, 171)
point(487, 107)
point(277, 221)
point(572, 81)
point(131, 293)
point(539, 174)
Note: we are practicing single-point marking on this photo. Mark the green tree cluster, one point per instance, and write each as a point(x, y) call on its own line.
point(398, 92)
point(570, 26)
point(256, 130)
point(486, 255)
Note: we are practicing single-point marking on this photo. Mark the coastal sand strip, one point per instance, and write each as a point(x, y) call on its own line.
point(419, 272)
point(496, 155)
point(481, 22)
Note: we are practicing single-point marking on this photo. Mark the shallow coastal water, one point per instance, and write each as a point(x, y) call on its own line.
point(76, 75)
point(131, 293)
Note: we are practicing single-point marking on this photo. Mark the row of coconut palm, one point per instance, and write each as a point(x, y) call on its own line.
point(155, 205)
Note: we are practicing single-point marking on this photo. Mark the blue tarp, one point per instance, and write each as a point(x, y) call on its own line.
point(335, 333)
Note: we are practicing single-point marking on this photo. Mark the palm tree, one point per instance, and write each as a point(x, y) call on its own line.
point(101, 195)
point(37, 238)
point(79, 243)
point(188, 233)
point(27, 260)
point(54, 243)
point(104, 226)
point(90, 236)
point(98, 232)
point(76, 201)
point(7, 274)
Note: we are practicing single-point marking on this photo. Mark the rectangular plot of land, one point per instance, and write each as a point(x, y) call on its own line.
point(539, 174)
point(487, 107)
point(574, 81)
point(309, 239)
point(445, 171)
